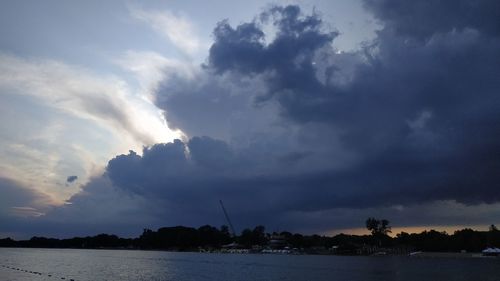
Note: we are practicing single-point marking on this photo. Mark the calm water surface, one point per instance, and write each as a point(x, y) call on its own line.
point(95, 265)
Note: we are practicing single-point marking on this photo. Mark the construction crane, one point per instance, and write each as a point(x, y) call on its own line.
point(233, 233)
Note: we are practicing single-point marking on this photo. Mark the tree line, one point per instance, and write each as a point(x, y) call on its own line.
point(181, 238)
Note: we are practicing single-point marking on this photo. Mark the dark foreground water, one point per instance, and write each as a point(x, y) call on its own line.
point(95, 265)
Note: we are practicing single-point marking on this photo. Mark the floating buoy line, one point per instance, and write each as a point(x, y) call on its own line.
point(35, 272)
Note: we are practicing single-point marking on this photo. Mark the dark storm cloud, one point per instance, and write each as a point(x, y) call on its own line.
point(411, 118)
point(287, 62)
point(423, 114)
point(423, 19)
point(243, 48)
point(71, 179)
point(192, 177)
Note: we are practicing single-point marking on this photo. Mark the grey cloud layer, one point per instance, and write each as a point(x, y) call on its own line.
point(293, 128)
point(419, 114)
point(423, 19)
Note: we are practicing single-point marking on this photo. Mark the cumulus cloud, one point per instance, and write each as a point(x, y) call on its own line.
point(188, 179)
point(289, 130)
point(413, 119)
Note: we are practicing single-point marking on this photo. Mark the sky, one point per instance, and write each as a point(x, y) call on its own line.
point(307, 116)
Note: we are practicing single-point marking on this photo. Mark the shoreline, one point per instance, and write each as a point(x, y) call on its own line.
point(411, 255)
point(455, 255)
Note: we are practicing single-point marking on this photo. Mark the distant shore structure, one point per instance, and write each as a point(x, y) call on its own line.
point(494, 252)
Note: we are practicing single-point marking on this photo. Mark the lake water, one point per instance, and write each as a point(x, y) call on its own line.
point(112, 265)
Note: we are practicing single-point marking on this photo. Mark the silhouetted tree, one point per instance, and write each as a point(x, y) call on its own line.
point(379, 230)
point(187, 238)
point(245, 238)
point(384, 227)
point(224, 229)
point(297, 240)
point(225, 235)
point(378, 226)
point(209, 236)
point(259, 235)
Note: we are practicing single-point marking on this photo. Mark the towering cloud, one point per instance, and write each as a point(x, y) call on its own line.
point(289, 129)
point(412, 115)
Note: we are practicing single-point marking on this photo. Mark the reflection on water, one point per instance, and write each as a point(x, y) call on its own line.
point(95, 265)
